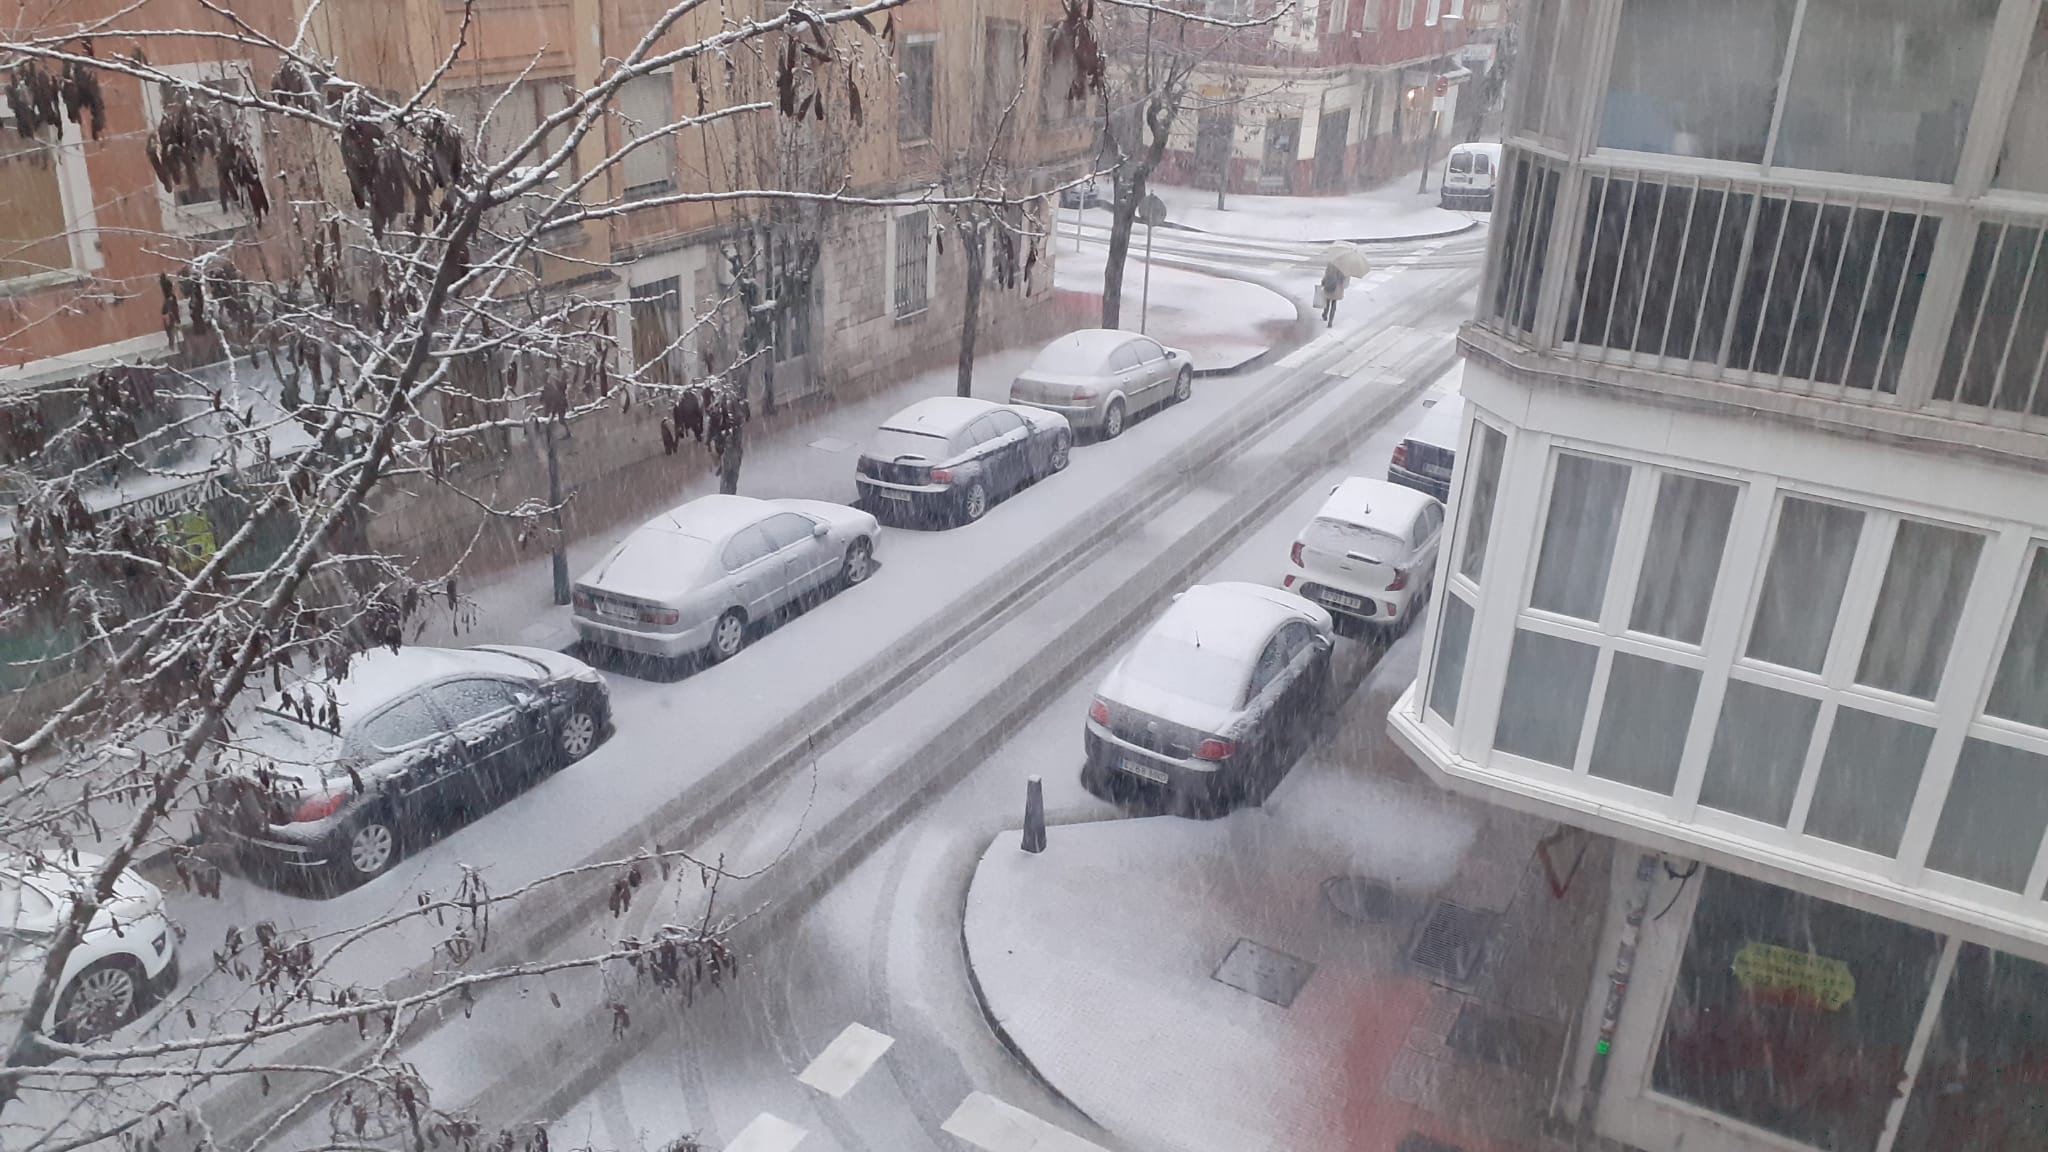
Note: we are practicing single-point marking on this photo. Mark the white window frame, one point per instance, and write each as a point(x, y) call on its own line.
point(1433, 14)
point(81, 218)
point(1406, 20)
point(1339, 12)
point(931, 262)
point(931, 131)
point(214, 215)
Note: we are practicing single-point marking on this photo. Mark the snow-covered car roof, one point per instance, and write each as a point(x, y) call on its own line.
point(1082, 351)
point(1438, 427)
point(379, 676)
point(712, 518)
point(1375, 504)
point(938, 415)
point(1233, 618)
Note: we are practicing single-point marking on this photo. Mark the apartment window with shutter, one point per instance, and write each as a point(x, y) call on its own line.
point(1407, 17)
point(1056, 104)
point(1436, 11)
point(1338, 10)
point(912, 263)
point(1002, 68)
point(1369, 15)
point(198, 206)
point(32, 215)
point(915, 61)
point(514, 116)
point(657, 325)
point(646, 106)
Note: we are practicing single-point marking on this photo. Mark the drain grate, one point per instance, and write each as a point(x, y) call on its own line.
point(1452, 942)
point(1417, 1142)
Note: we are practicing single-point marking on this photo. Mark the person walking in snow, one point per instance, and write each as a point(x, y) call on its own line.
point(1329, 292)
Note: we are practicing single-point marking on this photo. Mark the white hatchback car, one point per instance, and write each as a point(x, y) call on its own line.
point(1369, 555)
point(126, 961)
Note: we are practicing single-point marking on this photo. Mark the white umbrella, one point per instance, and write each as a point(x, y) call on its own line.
point(1347, 259)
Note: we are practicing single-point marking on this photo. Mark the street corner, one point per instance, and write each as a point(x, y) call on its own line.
point(1188, 997)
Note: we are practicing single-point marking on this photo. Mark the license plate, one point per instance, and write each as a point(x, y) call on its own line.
point(1343, 601)
point(611, 613)
point(892, 494)
point(1146, 771)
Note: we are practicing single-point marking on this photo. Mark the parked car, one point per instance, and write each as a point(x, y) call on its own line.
point(1214, 701)
point(947, 459)
point(1370, 553)
point(1469, 176)
point(339, 778)
point(696, 578)
point(1086, 194)
point(1425, 458)
point(1099, 377)
point(126, 960)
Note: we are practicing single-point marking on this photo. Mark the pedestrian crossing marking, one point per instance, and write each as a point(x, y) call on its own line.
point(844, 1061)
point(766, 1133)
point(993, 1126)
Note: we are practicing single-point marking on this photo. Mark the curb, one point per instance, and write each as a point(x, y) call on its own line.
point(1410, 238)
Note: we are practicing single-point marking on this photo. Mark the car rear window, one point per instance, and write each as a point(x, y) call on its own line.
point(1063, 358)
point(1186, 669)
point(896, 443)
point(1326, 535)
point(1461, 161)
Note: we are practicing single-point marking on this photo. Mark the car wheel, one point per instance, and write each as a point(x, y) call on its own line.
point(369, 847)
point(1062, 453)
point(859, 563)
point(105, 996)
point(1113, 420)
point(728, 636)
point(974, 502)
point(578, 735)
point(1184, 384)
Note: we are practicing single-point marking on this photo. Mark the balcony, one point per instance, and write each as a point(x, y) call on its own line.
point(1875, 311)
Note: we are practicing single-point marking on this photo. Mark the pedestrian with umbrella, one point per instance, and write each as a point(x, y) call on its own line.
point(1342, 262)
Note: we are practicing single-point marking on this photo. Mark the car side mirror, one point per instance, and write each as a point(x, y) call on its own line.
point(818, 531)
point(1172, 355)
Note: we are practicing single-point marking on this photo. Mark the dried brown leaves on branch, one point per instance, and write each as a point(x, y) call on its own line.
point(191, 133)
point(34, 96)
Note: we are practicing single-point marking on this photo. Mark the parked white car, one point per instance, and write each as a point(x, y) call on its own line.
point(1100, 377)
point(1369, 555)
point(697, 577)
point(126, 961)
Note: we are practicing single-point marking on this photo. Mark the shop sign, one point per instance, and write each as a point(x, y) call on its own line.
point(1770, 970)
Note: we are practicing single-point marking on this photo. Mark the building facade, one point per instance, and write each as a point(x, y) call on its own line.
point(1335, 95)
point(1749, 564)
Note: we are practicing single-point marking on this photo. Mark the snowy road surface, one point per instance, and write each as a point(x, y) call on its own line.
point(1104, 533)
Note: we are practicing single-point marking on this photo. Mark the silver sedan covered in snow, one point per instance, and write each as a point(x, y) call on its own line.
point(1099, 377)
point(694, 578)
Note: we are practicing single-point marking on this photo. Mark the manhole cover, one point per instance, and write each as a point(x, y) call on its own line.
point(1268, 973)
point(1359, 898)
point(1452, 941)
point(1504, 1038)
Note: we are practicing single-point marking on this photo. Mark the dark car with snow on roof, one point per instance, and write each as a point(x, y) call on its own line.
point(947, 459)
point(341, 777)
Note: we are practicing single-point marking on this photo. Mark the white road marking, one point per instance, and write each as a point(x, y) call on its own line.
point(989, 1124)
point(831, 444)
point(766, 1133)
point(844, 1061)
point(1300, 355)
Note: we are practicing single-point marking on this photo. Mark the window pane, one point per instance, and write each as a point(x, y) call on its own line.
point(1490, 445)
point(2020, 690)
point(1924, 588)
point(914, 91)
point(1795, 614)
point(2023, 163)
point(1884, 87)
point(1666, 95)
point(1684, 556)
point(1578, 535)
point(2001, 326)
point(1996, 811)
point(1794, 1014)
point(467, 700)
point(1643, 722)
point(1980, 1085)
point(1867, 780)
point(647, 105)
point(1447, 673)
point(407, 722)
point(1759, 749)
point(1544, 702)
point(31, 208)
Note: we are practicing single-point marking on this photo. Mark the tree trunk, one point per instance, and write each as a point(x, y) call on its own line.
point(729, 461)
point(1123, 215)
point(974, 248)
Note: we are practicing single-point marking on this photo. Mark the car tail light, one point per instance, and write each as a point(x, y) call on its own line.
point(942, 476)
point(1295, 555)
point(583, 600)
point(660, 616)
point(1401, 454)
point(1287, 583)
point(1400, 580)
point(318, 806)
point(1215, 749)
point(1099, 712)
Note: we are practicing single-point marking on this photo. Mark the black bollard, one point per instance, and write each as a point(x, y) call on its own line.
point(1034, 815)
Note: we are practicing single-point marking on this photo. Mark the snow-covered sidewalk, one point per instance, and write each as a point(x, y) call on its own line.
point(1392, 211)
point(1104, 961)
point(1223, 323)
